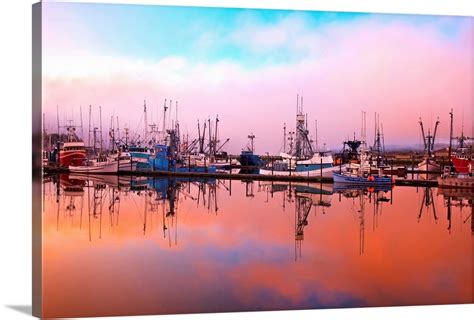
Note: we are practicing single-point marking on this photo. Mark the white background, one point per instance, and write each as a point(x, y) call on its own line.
point(15, 142)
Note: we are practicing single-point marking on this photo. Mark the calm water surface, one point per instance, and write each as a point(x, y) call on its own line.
point(142, 246)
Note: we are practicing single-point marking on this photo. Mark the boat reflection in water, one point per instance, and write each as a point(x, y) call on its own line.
point(136, 245)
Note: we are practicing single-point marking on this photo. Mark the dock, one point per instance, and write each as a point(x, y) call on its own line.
point(244, 176)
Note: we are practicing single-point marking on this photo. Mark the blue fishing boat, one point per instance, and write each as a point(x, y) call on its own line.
point(141, 155)
point(247, 157)
point(162, 160)
point(361, 180)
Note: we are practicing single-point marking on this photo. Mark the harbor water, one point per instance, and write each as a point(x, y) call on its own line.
point(137, 245)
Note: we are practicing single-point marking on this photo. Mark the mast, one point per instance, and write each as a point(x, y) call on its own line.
point(90, 117)
point(316, 147)
point(284, 137)
point(199, 137)
point(112, 134)
point(435, 131)
point(164, 119)
point(363, 132)
point(44, 134)
point(210, 136)
point(146, 122)
point(176, 111)
point(251, 137)
point(451, 116)
point(118, 129)
point(215, 134)
point(57, 118)
point(171, 110)
point(100, 126)
point(82, 128)
point(203, 136)
point(297, 103)
point(423, 133)
point(383, 140)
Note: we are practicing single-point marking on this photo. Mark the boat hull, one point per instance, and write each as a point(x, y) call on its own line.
point(248, 159)
point(71, 158)
point(462, 182)
point(108, 167)
point(325, 172)
point(127, 165)
point(462, 165)
point(430, 166)
point(356, 180)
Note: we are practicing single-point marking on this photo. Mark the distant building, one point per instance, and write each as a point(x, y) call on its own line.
point(441, 153)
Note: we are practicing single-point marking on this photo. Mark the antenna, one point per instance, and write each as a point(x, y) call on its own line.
point(176, 111)
point(451, 116)
point(316, 135)
point(171, 110)
point(100, 119)
point(297, 103)
point(118, 129)
point(164, 118)
point(82, 128)
point(146, 123)
point(57, 117)
point(90, 117)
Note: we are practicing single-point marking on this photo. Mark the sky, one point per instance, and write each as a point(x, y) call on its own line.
point(248, 66)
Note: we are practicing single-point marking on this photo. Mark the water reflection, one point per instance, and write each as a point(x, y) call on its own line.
point(180, 245)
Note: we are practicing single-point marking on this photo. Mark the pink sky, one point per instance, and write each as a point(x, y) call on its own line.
point(400, 69)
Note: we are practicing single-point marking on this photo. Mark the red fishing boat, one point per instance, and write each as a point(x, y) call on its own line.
point(463, 162)
point(73, 151)
point(463, 157)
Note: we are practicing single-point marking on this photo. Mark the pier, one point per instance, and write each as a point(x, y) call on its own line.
point(249, 176)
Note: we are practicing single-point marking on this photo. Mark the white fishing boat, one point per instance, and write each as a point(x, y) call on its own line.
point(428, 164)
point(125, 161)
point(302, 158)
point(282, 169)
point(100, 165)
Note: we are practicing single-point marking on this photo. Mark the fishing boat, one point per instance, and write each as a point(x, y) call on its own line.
point(141, 155)
point(463, 162)
point(302, 170)
point(302, 159)
point(458, 181)
point(463, 157)
point(247, 156)
point(98, 165)
point(428, 165)
point(73, 151)
point(125, 161)
point(362, 180)
point(225, 164)
point(249, 159)
point(362, 173)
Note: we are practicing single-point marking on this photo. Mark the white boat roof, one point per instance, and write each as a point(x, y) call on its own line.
point(74, 144)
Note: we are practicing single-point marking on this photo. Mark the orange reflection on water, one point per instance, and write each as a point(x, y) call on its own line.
point(195, 247)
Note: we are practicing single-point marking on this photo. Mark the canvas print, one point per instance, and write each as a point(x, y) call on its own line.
point(193, 159)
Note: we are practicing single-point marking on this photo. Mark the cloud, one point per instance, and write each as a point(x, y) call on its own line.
point(396, 67)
